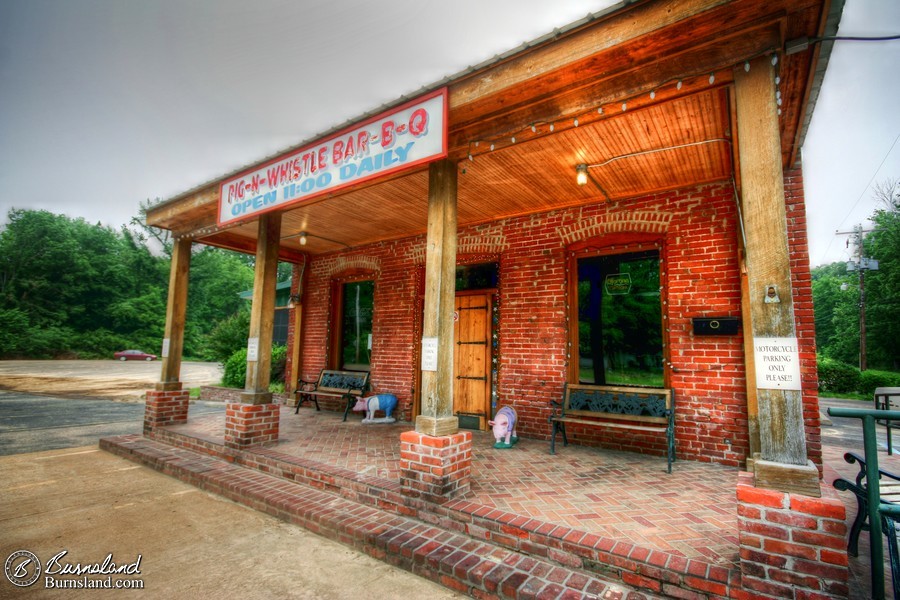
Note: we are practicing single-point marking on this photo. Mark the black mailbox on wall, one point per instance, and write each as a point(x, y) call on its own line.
point(716, 325)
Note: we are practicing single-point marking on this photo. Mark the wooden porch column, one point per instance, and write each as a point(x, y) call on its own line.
point(262, 312)
point(167, 403)
point(436, 416)
point(176, 311)
point(782, 462)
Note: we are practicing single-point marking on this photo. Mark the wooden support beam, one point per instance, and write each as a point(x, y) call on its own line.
point(232, 241)
point(780, 404)
point(262, 311)
point(176, 314)
point(436, 417)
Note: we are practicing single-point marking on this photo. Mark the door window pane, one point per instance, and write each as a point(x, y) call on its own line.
point(356, 325)
point(620, 320)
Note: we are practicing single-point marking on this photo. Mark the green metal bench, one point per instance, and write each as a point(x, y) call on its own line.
point(347, 385)
point(882, 516)
point(636, 408)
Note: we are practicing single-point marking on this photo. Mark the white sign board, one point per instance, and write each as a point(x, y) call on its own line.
point(165, 348)
point(395, 140)
point(429, 353)
point(253, 349)
point(777, 363)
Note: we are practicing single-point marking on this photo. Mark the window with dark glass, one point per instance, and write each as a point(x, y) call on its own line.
point(280, 329)
point(619, 335)
point(356, 325)
point(476, 277)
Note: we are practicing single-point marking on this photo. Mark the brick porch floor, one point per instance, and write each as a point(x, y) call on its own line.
point(691, 513)
point(623, 506)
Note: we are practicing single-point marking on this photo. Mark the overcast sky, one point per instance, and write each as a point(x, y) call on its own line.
point(105, 103)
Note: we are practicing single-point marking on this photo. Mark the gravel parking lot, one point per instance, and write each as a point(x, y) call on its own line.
point(120, 380)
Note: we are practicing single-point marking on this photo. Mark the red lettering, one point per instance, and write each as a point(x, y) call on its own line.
point(254, 184)
point(272, 176)
point(337, 156)
point(387, 134)
point(418, 122)
point(323, 151)
point(348, 153)
point(362, 142)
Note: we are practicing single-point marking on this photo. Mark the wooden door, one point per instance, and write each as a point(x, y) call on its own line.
point(472, 358)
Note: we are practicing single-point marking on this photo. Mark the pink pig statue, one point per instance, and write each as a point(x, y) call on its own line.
point(504, 425)
point(385, 402)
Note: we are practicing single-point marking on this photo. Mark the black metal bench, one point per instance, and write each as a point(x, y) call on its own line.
point(644, 409)
point(347, 385)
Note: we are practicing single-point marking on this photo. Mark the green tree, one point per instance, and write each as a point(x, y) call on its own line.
point(883, 285)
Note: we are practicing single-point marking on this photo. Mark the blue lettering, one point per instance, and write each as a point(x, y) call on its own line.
point(288, 191)
point(348, 171)
point(270, 197)
point(366, 166)
point(403, 151)
point(323, 179)
point(308, 185)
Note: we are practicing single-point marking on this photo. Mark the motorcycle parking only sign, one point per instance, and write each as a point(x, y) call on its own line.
point(777, 363)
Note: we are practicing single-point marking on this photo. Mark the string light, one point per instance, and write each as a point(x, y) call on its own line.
point(576, 121)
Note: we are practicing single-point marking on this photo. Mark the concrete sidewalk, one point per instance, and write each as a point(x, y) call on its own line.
point(192, 544)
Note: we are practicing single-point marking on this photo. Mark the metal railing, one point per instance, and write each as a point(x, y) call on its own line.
point(875, 509)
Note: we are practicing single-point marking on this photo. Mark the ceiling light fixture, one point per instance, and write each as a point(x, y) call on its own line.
point(581, 174)
point(302, 238)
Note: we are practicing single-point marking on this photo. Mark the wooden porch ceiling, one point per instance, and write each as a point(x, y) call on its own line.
point(650, 87)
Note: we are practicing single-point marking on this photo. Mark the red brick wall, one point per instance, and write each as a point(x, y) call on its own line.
point(791, 546)
point(701, 275)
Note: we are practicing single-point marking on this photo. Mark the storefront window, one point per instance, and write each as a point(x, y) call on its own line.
point(356, 325)
point(619, 334)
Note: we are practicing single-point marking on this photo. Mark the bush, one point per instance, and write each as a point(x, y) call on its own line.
point(869, 380)
point(236, 368)
point(279, 363)
point(227, 337)
point(835, 376)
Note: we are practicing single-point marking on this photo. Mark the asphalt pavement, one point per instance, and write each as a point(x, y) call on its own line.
point(37, 422)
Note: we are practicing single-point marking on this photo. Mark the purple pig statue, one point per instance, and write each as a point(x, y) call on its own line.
point(504, 425)
point(385, 402)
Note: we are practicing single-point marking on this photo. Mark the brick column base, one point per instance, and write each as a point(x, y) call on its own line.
point(435, 468)
point(165, 408)
point(791, 546)
point(250, 424)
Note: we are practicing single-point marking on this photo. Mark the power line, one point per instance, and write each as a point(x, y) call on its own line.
point(855, 204)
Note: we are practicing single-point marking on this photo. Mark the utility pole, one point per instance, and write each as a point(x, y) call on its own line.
point(861, 265)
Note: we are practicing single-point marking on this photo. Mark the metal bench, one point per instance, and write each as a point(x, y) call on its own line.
point(889, 491)
point(643, 409)
point(347, 385)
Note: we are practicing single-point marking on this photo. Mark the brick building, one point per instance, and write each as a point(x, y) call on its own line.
point(616, 204)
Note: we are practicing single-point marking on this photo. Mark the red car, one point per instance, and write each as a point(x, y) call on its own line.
point(134, 355)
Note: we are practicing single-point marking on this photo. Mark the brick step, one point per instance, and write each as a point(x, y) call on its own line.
point(478, 568)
